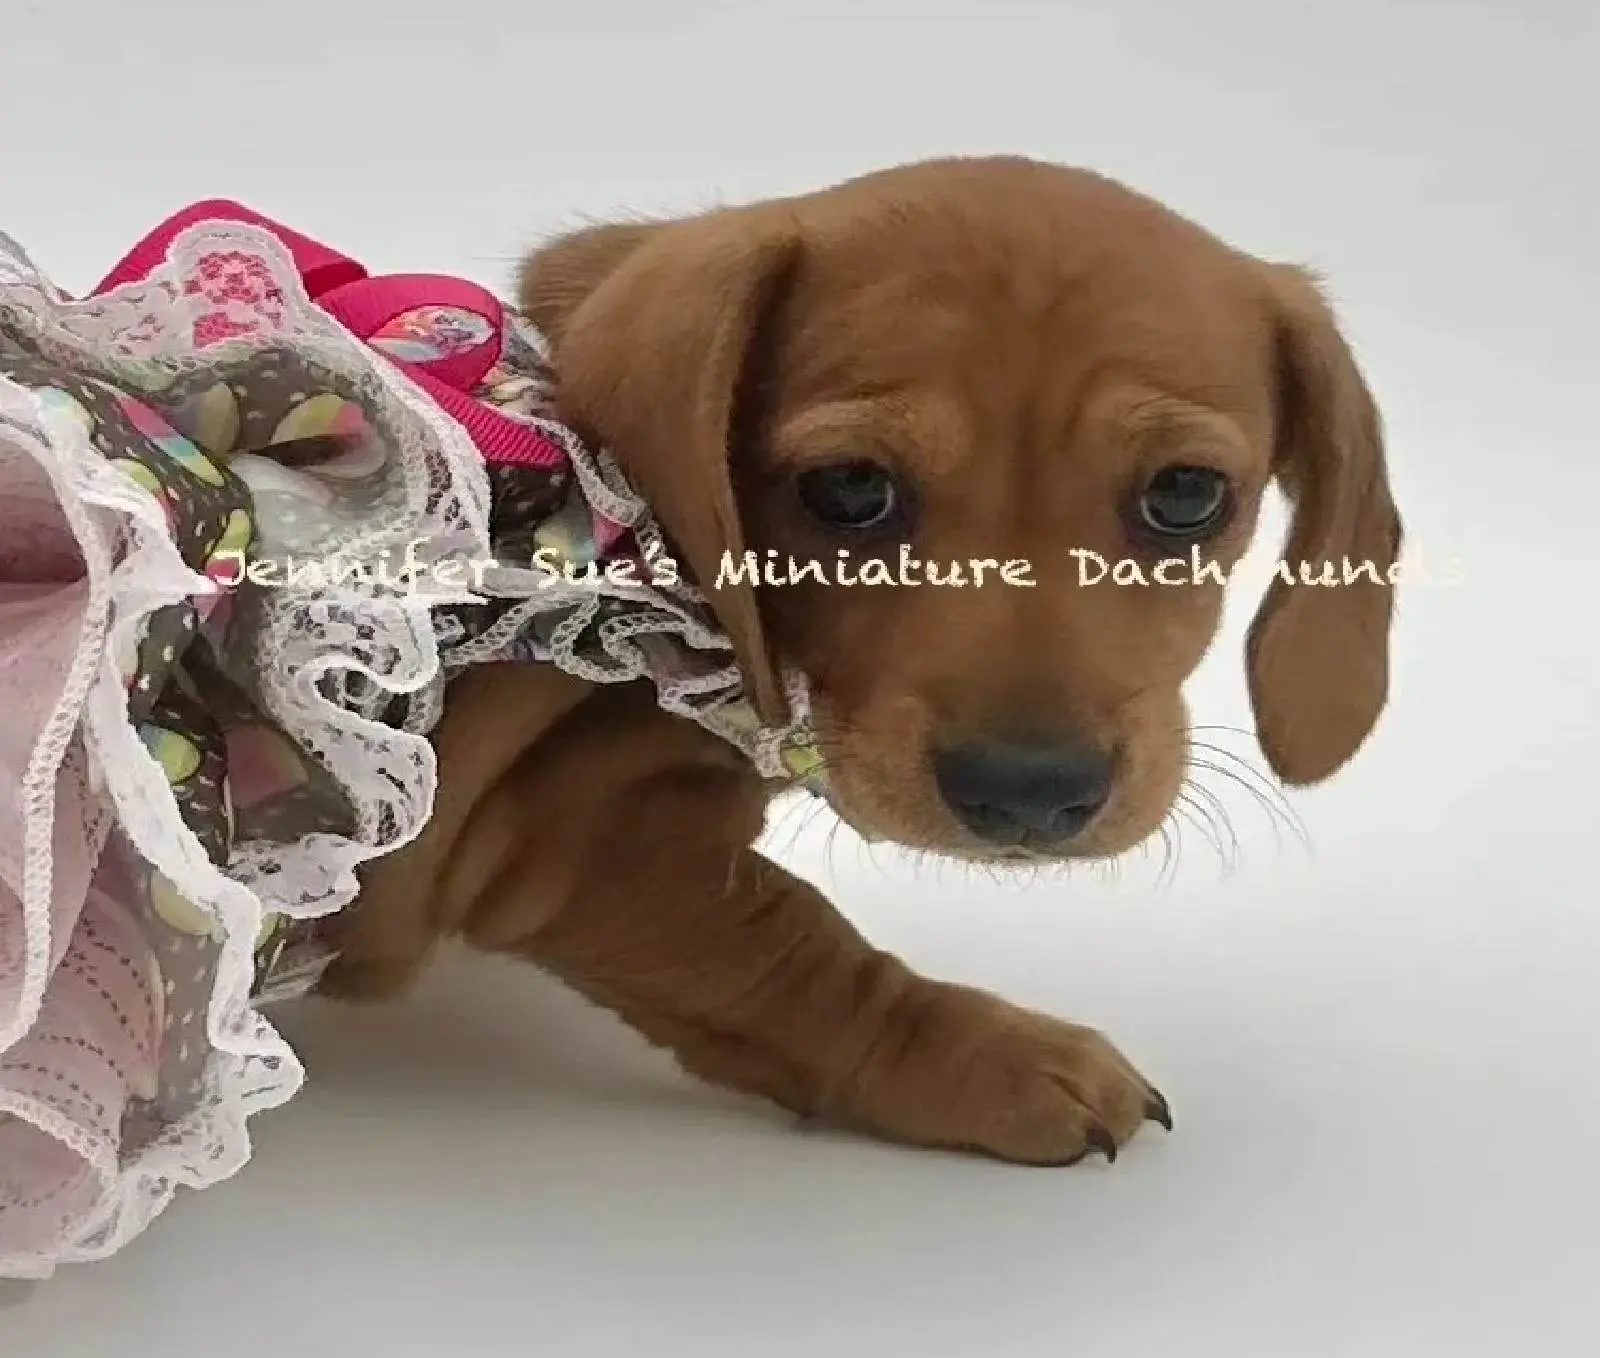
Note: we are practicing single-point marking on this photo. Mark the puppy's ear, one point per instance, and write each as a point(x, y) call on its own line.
point(1318, 654)
point(556, 279)
point(653, 332)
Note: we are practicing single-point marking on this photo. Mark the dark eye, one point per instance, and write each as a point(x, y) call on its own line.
point(1184, 501)
point(856, 496)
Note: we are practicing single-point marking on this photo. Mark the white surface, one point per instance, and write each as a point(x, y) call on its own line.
point(1382, 1056)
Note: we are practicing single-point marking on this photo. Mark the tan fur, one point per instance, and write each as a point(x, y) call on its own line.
point(1026, 341)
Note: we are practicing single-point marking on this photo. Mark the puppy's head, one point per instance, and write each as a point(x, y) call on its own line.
point(1019, 390)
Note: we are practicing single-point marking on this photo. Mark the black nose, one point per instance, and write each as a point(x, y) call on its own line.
point(1008, 793)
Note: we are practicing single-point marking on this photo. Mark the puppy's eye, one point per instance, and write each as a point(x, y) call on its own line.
point(1184, 501)
point(856, 496)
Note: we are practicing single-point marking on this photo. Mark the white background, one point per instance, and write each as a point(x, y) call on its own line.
point(1382, 1053)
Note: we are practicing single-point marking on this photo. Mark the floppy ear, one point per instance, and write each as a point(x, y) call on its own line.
point(652, 331)
point(556, 279)
point(1318, 654)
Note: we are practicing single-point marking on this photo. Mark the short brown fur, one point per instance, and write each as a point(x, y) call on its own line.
point(1025, 342)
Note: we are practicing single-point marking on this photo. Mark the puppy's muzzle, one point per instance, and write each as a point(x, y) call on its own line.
point(1014, 795)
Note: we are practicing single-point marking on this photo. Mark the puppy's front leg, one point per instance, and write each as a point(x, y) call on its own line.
point(754, 980)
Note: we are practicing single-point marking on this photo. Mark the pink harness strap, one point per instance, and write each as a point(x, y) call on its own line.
point(365, 306)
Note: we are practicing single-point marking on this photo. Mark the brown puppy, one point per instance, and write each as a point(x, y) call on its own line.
point(968, 360)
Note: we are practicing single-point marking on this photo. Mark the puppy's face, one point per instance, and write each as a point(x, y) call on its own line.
point(994, 432)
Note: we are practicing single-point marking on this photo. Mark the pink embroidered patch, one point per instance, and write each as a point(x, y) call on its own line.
point(228, 276)
point(216, 326)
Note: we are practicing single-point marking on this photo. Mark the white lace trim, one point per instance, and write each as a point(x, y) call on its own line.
point(708, 691)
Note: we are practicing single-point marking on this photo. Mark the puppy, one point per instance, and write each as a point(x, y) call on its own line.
point(972, 361)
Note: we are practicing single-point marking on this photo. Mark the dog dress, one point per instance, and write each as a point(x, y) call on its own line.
point(258, 506)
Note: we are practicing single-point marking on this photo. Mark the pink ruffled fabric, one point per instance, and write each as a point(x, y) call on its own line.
point(79, 1017)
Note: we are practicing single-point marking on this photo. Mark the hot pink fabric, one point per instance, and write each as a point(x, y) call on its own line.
point(364, 305)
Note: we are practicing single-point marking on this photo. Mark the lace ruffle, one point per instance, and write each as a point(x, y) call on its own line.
point(97, 1130)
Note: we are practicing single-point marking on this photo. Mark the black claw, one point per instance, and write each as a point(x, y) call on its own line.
point(1158, 1111)
point(1101, 1140)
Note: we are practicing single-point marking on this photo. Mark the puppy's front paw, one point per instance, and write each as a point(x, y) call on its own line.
point(970, 1072)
